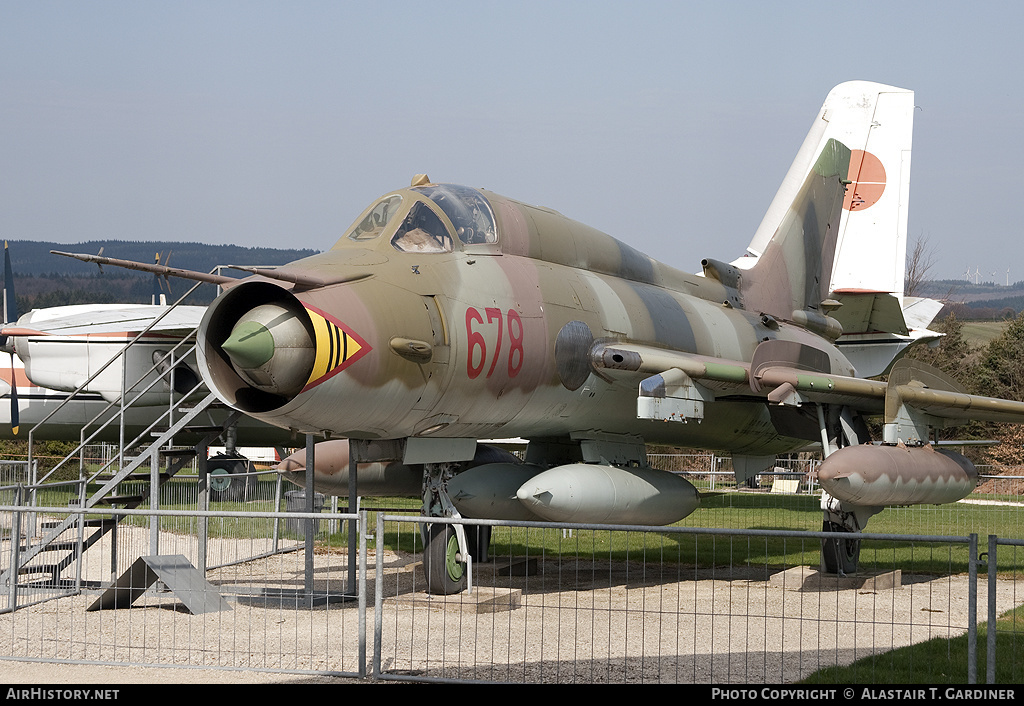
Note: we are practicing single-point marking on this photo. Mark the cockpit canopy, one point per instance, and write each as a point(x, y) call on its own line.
point(427, 219)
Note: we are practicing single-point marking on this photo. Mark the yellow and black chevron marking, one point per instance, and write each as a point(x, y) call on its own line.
point(337, 347)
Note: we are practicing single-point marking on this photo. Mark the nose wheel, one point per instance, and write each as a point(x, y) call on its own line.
point(446, 549)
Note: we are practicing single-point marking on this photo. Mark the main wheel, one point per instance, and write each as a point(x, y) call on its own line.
point(839, 556)
point(227, 479)
point(444, 572)
point(478, 537)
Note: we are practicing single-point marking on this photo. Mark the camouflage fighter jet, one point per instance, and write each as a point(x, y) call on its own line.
point(447, 314)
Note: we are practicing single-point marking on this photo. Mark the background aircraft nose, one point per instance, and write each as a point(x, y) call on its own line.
point(270, 347)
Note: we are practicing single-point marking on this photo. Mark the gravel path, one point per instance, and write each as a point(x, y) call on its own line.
point(575, 620)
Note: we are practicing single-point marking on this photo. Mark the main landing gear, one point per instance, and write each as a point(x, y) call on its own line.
point(448, 549)
point(839, 556)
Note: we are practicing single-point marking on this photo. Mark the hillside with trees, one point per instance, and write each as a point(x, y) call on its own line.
point(995, 369)
point(43, 279)
point(970, 301)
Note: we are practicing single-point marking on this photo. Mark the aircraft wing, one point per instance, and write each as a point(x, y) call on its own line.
point(674, 386)
point(112, 319)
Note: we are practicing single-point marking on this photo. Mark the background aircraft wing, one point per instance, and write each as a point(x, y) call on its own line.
point(112, 319)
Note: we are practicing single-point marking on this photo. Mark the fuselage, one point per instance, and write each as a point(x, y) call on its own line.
point(450, 312)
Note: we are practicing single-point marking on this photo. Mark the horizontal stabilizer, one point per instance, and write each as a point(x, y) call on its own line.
point(877, 330)
point(869, 312)
point(919, 312)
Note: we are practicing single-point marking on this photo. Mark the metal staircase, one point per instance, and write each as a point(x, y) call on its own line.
point(103, 488)
point(159, 461)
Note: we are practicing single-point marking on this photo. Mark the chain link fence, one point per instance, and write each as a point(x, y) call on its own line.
point(296, 611)
point(730, 595)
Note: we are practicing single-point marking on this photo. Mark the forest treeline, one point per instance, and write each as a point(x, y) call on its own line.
point(983, 301)
point(985, 309)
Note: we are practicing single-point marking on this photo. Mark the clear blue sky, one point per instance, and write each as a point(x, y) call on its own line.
point(668, 125)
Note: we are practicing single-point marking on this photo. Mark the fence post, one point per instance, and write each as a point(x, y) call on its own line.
point(154, 501)
point(378, 593)
point(12, 589)
point(278, 494)
point(990, 637)
point(307, 525)
point(203, 503)
point(362, 592)
point(972, 610)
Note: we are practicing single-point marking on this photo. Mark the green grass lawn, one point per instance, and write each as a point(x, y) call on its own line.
point(745, 511)
point(720, 509)
point(939, 660)
point(981, 333)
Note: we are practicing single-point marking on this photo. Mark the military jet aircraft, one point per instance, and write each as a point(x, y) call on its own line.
point(447, 314)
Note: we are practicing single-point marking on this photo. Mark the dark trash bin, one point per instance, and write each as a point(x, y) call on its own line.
point(295, 501)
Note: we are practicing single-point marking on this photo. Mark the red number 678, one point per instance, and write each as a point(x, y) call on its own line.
point(477, 353)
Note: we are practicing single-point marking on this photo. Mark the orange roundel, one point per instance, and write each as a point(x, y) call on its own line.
point(868, 177)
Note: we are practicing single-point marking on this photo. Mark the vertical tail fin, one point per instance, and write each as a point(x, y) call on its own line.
point(790, 279)
point(10, 317)
point(876, 122)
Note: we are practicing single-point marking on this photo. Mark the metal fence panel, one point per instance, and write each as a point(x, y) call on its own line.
point(596, 604)
point(550, 604)
point(292, 612)
point(1003, 646)
point(232, 539)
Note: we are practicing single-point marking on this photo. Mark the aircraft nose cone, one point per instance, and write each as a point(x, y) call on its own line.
point(271, 348)
point(250, 345)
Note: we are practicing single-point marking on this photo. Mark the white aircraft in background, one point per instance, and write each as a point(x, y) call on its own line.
point(57, 351)
point(24, 404)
